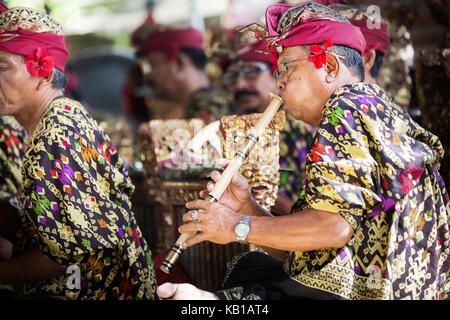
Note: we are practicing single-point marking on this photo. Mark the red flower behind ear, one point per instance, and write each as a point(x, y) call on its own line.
point(173, 51)
point(274, 61)
point(319, 55)
point(40, 65)
point(374, 47)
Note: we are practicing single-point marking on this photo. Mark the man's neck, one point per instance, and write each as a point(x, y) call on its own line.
point(30, 117)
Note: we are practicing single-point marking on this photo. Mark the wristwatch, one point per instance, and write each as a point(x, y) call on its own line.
point(242, 229)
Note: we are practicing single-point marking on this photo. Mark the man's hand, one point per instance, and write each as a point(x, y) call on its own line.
point(30, 267)
point(237, 196)
point(6, 248)
point(183, 291)
point(215, 221)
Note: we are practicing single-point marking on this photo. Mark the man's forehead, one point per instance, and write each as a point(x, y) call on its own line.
point(290, 53)
point(9, 57)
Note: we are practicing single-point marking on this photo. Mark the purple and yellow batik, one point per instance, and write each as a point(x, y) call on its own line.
point(378, 169)
point(76, 207)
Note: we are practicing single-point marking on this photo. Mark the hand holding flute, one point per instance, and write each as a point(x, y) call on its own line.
point(216, 220)
point(230, 218)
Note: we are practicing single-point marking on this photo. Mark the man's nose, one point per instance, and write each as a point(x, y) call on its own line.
point(280, 83)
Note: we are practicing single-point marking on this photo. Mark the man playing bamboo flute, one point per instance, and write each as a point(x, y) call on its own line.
point(249, 78)
point(74, 197)
point(372, 221)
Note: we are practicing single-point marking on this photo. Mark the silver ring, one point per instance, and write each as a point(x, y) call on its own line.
point(194, 215)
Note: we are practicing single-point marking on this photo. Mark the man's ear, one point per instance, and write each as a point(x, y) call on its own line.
point(182, 61)
point(369, 60)
point(332, 68)
point(47, 80)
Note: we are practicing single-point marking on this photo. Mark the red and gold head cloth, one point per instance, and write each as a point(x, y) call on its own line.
point(33, 34)
point(252, 52)
point(249, 52)
point(306, 24)
point(157, 37)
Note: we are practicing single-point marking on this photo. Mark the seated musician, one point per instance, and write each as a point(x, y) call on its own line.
point(372, 219)
point(173, 62)
point(249, 78)
point(74, 199)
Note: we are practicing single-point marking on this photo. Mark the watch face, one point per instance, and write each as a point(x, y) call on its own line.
point(242, 230)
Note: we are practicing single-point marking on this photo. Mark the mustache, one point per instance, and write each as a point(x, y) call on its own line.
point(240, 93)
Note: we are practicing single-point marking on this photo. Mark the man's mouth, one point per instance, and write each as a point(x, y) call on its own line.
point(245, 95)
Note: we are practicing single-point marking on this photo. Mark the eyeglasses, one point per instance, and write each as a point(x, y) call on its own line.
point(247, 72)
point(282, 68)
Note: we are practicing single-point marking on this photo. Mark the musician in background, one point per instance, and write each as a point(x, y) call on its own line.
point(74, 197)
point(248, 77)
point(173, 62)
point(377, 38)
point(372, 220)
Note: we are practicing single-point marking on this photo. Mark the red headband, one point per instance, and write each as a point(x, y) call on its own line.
point(24, 30)
point(313, 23)
point(253, 53)
point(154, 37)
point(376, 38)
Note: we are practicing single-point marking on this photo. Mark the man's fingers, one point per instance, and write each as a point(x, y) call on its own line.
point(190, 227)
point(199, 237)
point(239, 181)
point(166, 290)
point(193, 215)
point(183, 291)
point(197, 204)
point(216, 175)
point(222, 162)
point(203, 194)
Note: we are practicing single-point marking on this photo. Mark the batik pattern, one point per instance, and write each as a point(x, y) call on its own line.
point(12, 149)
point(27, 19)
point(291, 18)
point(210, 104)
point(297, 15)
point(378, 169)
point(76, 206)
point(295, 141)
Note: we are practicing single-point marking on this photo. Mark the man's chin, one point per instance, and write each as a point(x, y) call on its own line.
point(250, 110)
point(247, 108)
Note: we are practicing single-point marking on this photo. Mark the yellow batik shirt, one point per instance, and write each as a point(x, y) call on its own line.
point(75, 205)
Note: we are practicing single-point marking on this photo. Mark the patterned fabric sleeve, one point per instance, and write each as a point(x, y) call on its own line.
point(74, 198)
point(12, 149)
point(342, 175)
point(210, 104)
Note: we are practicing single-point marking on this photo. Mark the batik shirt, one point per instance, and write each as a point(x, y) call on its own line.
point(12, 149)
point(295, 142)
point(76, 207)
point(378, 169)
point(209, 104)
